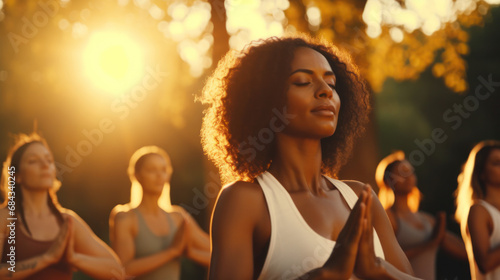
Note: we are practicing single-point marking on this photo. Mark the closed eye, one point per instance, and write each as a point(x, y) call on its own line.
point(332, 86)
point(302, 84)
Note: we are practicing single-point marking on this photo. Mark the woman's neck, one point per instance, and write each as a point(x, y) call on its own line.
point(149, 203)
point(297, 164)
point(401, 203)
point(35, 203)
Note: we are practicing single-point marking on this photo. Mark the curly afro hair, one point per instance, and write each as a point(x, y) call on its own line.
point(248, 86)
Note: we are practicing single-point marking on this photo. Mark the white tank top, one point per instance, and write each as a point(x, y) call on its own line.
point(295, 248)
point(494, 242)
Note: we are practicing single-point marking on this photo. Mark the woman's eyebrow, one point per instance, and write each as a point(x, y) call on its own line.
point(307, 71)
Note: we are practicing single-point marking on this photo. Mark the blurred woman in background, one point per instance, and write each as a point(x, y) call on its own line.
point(50, 241)
point(478, 209)
point(419, 234)
point(149, 234)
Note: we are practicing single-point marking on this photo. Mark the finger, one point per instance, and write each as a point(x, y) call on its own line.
point(367, 234)
point(353, 228)
point(369, 202)
point(358, 212)
point(369, 215)
point(361, 200)
point(355, 225)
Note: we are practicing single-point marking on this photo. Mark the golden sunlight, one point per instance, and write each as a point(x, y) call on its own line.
point(113, 61)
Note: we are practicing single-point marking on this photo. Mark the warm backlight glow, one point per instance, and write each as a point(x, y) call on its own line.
point(113, 61)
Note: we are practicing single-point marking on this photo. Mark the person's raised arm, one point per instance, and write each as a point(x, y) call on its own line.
point(450, 243)
point(122, 232)
point(454, 246)
point(89, 254)
point(480, 225)
point(25, 268)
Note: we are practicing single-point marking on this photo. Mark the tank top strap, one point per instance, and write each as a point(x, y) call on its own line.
point(140, 218)
point(171, 224)
point(349, 195)
point(278, 199)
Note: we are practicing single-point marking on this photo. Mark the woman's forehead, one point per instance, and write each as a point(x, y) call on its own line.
point(307, 58)
point(494, 154)
point(36, 148)
point(154, 159)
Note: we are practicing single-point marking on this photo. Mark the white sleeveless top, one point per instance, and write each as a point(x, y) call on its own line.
point(494, 242)
point(295, 248)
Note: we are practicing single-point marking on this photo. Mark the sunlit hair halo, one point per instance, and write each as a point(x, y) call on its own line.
point(470, 186)
point(135, 165)
point(247, 88)
point(385, 178)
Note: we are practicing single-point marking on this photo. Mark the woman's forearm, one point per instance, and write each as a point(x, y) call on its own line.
point(99, 267)
point(324, 274)
point(389, 272)
point(417, 250)
point(24, 268)
point(490, 261)
point(199, 255)
point(454, 246)
point(140, 266)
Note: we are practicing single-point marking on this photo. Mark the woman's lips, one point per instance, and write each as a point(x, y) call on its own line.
point(324, 110)
point(325, 113)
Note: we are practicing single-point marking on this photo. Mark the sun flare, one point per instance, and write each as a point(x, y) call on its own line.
point(113, 61)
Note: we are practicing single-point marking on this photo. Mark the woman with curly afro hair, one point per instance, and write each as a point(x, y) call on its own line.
point(276, 130)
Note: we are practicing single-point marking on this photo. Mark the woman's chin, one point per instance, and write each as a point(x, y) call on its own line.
point(327, 132)
point(154, 190)
point(41, 187)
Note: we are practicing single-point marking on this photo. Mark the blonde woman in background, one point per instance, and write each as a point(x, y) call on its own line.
point(419, 234)
point(478, 206)
point(50, 241)
point(149, 234)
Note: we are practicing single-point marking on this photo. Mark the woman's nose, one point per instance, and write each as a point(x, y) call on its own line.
point(324, 91)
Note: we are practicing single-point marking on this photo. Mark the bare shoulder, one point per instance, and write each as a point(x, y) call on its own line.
point(70, 214)
point(241, 199)
point(240, 192)
point(356, 186)
point(123, 216)
point(79, 225)
point(178, 214)
point(479, 218)
point(478, 212)
point(377, 207)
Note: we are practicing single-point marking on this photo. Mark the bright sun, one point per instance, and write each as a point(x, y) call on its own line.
point(113, 61)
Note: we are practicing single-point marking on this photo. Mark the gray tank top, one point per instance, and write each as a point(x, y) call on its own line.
point(409, 236)
point(147, 243)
